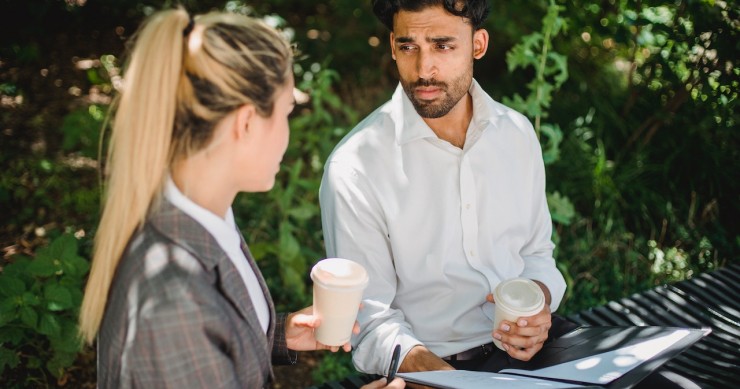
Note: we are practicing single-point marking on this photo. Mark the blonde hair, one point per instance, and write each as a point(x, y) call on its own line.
point(180, 81)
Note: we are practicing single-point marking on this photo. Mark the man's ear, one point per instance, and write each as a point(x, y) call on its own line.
point(244, 115)
point(480, 43)
point(393, 46)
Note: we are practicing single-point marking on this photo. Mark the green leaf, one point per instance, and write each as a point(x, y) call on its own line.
point(60, 362)
point(304, 211)
point(17, 269)
point(551, 149)
point(8, 304)
point(561, 209)
point(68, 340)
point(8, 311)
point(292, 279)
point(289, 246)
point(43, 266)
point(12, 335)
point(31, 299)
point(11, 286)
point(29, 317)
point(8, 358)
point(260, 250)
point(76, 266)
point(559, 68)
point(49, 325)
point(58, 295)
point(64, 247)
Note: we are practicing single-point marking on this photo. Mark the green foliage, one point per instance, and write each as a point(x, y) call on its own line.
point(535, 50)
point(561, 209)
point(81, 130)
point(334, 367)
point(39, 304)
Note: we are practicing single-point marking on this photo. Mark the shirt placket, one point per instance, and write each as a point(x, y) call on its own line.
point(469, 219)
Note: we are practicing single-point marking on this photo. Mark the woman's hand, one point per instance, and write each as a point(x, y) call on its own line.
point(299, 332)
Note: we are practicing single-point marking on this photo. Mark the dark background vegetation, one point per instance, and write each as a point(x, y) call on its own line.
point(635, 101)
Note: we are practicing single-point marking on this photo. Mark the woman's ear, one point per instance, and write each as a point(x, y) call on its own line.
point(243, 117)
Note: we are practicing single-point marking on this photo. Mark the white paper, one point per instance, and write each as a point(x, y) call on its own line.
point(606, 367)
point(463, 379)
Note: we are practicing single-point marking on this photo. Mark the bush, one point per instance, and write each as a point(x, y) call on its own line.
point(39, 305)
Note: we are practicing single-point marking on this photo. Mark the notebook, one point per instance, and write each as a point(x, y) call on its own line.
point(611, 357)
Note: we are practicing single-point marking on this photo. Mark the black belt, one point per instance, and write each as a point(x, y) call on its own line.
point(481, 351)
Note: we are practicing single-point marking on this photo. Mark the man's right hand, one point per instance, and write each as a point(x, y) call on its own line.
point(421, 359)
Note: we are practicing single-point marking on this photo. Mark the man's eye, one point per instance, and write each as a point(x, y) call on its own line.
point(406, 48)
point(444, 47)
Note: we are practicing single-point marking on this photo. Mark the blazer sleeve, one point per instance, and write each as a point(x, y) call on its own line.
point(281, 355)
point(180, 343)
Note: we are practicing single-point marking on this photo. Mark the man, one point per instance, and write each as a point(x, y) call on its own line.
point(440, 194)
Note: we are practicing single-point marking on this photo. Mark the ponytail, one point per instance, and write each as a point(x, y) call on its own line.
point(175, 92)
point(138, 155)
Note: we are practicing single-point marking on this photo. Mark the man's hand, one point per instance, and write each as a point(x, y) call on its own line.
point(523, 339)
point(421, 359)
point(397, 383)
point(299, 332)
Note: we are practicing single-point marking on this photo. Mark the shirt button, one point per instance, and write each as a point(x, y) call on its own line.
point(472, 253)
point(467, 206)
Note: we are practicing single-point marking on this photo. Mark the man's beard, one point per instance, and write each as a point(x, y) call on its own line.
point(451, 95)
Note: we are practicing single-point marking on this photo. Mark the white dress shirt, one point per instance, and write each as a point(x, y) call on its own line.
point(227, 235)
point(436, 227)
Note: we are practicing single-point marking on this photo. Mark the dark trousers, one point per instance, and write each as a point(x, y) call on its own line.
point(499, 360)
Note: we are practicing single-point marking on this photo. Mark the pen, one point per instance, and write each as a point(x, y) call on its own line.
point(393, 368)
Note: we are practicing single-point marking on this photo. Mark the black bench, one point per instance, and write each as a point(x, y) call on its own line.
point(707, 300)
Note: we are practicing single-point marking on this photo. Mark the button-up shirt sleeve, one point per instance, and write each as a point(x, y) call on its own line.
point(353, 230)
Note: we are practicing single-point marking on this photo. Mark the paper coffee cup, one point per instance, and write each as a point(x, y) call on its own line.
point(337, 292)
point(515, 298)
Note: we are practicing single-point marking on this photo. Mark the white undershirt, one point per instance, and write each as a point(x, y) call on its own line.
point(227, 235)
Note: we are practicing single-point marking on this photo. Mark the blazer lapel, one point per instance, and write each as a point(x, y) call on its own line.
point(192, 236)
point(263, 286)
point(270, 304)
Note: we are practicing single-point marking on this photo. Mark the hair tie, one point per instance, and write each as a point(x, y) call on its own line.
point(188, 28)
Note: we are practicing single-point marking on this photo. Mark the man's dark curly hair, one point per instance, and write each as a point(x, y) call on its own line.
point(474, 10)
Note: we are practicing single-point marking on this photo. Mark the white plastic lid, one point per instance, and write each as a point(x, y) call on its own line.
point(339, 273)
point(520, 294)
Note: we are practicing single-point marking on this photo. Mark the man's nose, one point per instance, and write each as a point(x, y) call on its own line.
point(427, 65)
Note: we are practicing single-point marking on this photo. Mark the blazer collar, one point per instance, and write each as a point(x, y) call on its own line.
point(190, 235)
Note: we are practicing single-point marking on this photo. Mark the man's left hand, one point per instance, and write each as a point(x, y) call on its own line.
point(524, 338)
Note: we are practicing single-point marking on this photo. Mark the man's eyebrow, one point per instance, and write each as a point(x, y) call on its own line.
point(441, 39)
point(404, 39)
point(436, 39)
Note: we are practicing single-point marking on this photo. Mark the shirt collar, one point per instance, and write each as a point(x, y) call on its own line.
point(410, 126)
point(223, 229)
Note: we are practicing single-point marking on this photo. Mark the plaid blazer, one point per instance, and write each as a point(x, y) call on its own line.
point(179, 315)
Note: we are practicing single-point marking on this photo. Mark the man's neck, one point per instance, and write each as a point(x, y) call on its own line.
point(454, 126)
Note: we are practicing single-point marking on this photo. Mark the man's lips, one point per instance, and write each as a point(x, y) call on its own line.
point(427, 92)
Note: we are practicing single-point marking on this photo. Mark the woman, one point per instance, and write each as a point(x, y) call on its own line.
point(174, 296)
